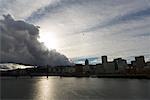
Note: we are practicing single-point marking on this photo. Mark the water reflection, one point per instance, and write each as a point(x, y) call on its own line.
point(43, 88)
point(56, 88)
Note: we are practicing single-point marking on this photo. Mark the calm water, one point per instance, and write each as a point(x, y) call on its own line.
point(56, 88)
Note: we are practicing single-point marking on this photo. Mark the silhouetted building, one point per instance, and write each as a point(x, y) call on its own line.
point(86, 62)
point(104, 59)
point(120, 64)
point(68, 69)
point(148, 64)
point(140, 62)
point(99, 69)
point(92, 69)
point(79, 69)
point(86, 68)
point(109, 67)
point(133, 63)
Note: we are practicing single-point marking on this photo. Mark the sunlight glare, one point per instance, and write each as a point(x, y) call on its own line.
point(49, 39)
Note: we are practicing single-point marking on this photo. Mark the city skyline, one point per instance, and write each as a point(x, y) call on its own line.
point(83, 61)
point(118, 68)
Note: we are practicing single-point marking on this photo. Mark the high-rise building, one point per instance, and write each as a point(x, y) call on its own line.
point(109, 67)
point(104, 59)
point(120, 64)
point(140, 62)
point(86, 62)
point(86, 68)
point(133, 63)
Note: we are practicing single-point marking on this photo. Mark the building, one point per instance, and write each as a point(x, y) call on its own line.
point(92, 69)
point(86, 67)
point(140, 62)
point(78, 69)
point(68, 70)
point(147, 68)
point(86, 62)
point(104, 59)
point(99, 69)
point(133, 64)
point(120, 64)
point(109, 67)
point(148, 64)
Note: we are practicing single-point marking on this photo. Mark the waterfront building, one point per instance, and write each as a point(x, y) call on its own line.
point(68, 69)
point(86, 62)
point(86, 67)
point(104, 59)
point(79, 69)
point(99, 69)
point(109, 67)
point(120, 64)
point(147, 68)
point(133, 63)
point(92, 69)
point(148, 64)
point(140, 62)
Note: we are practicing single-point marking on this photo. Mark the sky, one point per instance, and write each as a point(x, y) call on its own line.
point(87, 28)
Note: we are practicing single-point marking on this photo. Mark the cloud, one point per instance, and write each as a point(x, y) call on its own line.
point(144, 34)
point(51, 8)
point(120, 19)
point(21, 9)
point(137, 15)
point(92, 60)
point(92, 27)
point(43, 11)
point(71, 17)
point(19, 44)
point(10, 66)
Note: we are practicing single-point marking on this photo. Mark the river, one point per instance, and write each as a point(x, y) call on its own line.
point(71, 88)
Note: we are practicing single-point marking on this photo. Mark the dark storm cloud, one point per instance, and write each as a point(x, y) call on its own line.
point(19, 44)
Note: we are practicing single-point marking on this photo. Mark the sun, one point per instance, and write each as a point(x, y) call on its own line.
point(49, 39)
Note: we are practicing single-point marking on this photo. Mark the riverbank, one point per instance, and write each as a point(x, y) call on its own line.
point(89, 76)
